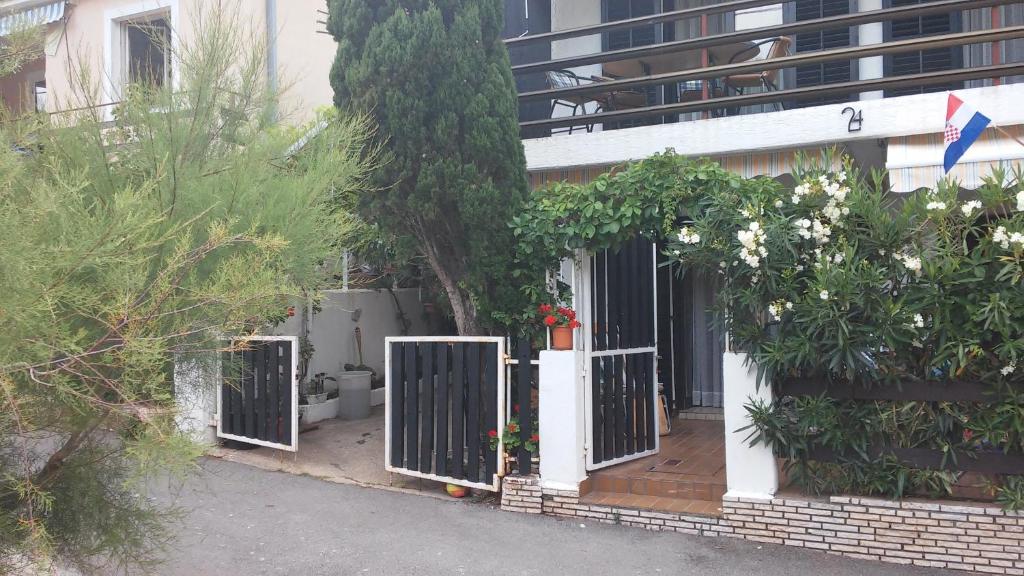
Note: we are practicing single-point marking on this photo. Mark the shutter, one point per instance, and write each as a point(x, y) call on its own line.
point(622, 10)
point(826, 72)
point(932, 60)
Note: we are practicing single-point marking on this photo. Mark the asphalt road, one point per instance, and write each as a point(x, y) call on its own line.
point(243, 520)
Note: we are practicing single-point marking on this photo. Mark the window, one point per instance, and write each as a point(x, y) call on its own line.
point(932, 60)
point(39, 95)
point(146, 51)
point(624, 9)
point(826, 72)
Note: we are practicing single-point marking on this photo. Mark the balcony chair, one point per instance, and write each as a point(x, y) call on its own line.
point(768, 80)
point(610, 100)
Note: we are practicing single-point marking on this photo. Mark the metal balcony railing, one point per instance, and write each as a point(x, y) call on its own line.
point(994, 38)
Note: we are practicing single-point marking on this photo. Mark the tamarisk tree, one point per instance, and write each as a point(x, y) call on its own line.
point(128, 245)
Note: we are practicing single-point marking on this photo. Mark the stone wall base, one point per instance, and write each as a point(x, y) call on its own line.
point(959, 536)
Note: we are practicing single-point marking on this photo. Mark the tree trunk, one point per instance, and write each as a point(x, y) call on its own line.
point(446, 269)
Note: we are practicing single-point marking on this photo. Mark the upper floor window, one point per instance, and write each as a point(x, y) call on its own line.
point(146, 51)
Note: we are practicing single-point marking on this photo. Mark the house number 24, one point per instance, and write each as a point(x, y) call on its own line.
point(856, 119)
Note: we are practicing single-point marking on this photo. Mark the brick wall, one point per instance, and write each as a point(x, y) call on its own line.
point(924, 533)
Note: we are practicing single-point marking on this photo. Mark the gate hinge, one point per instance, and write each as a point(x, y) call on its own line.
point(507, 359)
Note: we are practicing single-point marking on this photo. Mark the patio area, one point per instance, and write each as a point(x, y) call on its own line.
point(346, 452)
point(687, 475)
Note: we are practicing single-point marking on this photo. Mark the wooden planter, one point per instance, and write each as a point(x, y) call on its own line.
point(561, 338)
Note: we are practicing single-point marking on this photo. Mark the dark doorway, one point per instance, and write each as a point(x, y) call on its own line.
point(690, 344)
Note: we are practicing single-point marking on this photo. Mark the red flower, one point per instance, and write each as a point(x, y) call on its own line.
point(550, 320)
point(513, 427)
point(492, 433)
point(515, 408)
point(535, 438)
point(968, 434)
point(574, 324)
point(544, 308)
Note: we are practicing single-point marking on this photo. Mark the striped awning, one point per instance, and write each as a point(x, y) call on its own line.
point(915, 162)
point(28, 17)
point(775, 164)
point(770, 164)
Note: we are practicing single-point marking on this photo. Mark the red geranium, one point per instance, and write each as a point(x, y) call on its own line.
point(492, 433)
point(556, 317)
point(535, 438)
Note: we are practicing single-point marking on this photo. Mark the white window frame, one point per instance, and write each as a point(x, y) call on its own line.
point(115, 43)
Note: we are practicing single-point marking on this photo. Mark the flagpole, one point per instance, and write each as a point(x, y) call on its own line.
point(1008, 135)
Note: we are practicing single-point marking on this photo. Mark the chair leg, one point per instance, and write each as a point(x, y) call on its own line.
point(770, 86)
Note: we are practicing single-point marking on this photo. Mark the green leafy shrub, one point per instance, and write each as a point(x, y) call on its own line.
point(838, 281)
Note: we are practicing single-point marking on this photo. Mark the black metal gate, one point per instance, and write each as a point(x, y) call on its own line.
point(622, 376)
point(445, 395)
point(258, 399)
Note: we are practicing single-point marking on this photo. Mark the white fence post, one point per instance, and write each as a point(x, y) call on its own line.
point(563, 462)
point(751, 471)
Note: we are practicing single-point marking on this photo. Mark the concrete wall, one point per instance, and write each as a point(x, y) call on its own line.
point(88, 49)
point(332, 331)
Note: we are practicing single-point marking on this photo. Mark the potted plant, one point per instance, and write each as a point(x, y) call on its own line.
point(510, 440)
point(315, 393)
point(561, 321)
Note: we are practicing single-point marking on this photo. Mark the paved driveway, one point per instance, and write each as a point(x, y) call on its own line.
point(243, 520)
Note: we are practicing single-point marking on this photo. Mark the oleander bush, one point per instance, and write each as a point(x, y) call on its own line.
point(839, 281)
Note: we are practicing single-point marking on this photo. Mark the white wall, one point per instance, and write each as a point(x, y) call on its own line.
point(332, 331)
point(805, 127)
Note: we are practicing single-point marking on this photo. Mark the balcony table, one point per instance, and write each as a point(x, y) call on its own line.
point(688, 59)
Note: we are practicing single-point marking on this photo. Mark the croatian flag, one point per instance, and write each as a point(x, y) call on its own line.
point(964, 125)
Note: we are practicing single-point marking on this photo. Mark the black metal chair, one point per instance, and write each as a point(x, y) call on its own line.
point(557, 79)
point(767, 80)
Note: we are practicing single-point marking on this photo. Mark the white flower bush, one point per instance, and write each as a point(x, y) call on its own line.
point(753, 248)
point(968, 208)
point(686, 236)
point(836, 280)
point(838, 266)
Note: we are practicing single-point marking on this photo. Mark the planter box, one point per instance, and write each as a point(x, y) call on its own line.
point(312, 413)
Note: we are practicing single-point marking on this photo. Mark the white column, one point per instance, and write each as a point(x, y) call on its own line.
point(195, 395)
point(751, 471)
point(871, 67)
point(561, 414)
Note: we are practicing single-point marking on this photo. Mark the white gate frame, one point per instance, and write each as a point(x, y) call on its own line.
point(582, 279)
point(500, 365)
point(295, 398)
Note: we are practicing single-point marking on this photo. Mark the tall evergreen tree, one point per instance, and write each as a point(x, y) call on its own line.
point(435, 75)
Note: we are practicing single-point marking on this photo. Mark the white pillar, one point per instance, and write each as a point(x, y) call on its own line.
point(751, 471)
point(871, 67)
point(195, 395)
point(563, 462)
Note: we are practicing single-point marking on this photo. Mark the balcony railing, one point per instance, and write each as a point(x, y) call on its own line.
point(1001, 59)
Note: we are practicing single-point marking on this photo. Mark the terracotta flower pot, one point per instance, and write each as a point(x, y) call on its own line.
point(561, 338)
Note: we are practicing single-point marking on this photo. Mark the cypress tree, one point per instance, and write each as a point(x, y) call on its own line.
point(435, 75)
